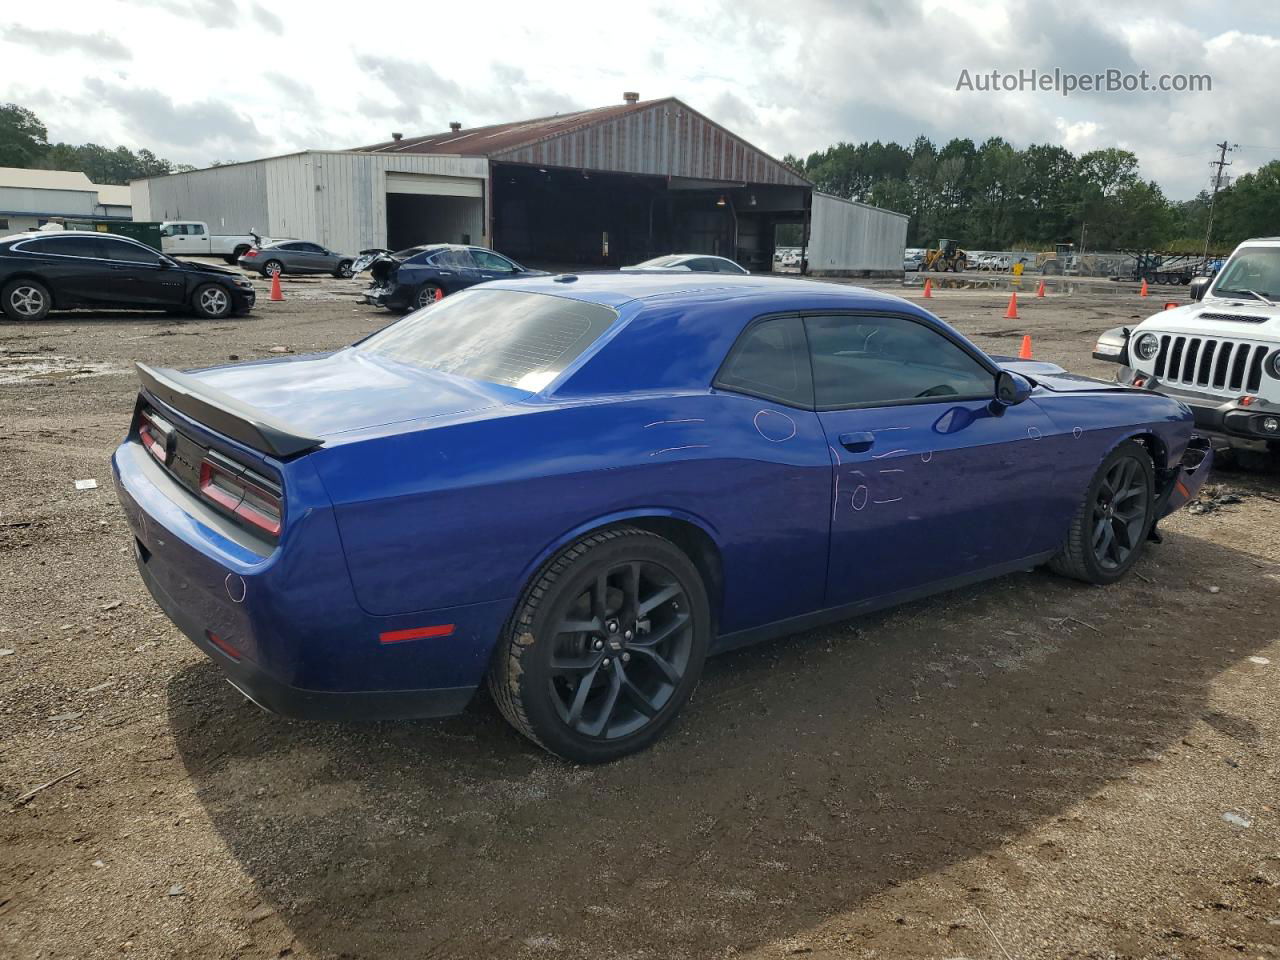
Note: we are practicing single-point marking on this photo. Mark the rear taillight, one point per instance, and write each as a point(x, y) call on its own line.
point(251, 253)
point(241, 492)
point(156, 435)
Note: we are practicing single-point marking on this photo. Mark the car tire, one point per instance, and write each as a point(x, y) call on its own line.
point(597, 694)
point(344, 270)
point(212, 301)
point(427, 295)
point(26, 300)
point(272, 267)
point(1105, 540)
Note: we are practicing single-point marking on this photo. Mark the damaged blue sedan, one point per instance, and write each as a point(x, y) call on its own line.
point(576, 488)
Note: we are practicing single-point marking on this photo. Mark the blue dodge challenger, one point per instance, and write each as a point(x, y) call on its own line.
point(576, 488)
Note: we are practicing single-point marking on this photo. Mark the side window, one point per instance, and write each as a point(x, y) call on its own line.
point(291, 246)
point(487, 260)
point(125, 252)
point(770, 360)
point(309, 247)
point(195, 229)
point(453, 260)
point(65, 246)
point(883, 360)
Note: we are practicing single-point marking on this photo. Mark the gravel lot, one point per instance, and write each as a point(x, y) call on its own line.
point(1031, 769)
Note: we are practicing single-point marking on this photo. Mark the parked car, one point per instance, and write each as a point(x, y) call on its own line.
point(578, 487)
point(1219, 354)
point(693, 262)
point(296, 256)
point(913, 261)
point(412, 278)
point(191, 238)
point(40, 272)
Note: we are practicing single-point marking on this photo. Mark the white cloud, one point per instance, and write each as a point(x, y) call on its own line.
point(236, 79)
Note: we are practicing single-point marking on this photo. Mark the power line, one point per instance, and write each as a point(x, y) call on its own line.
point(1221, 162)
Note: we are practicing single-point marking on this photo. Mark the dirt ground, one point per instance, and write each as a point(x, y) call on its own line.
point(1029, 769)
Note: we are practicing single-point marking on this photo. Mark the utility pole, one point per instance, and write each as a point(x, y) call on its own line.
point(1221, 162)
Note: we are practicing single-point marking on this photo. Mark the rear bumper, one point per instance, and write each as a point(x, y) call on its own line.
point(285, 627)
point(275, 696)
point(393, 298)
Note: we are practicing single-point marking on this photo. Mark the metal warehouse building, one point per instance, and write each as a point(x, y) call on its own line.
point(603, 187)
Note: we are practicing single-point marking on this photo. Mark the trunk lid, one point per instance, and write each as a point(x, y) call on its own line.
point(328, 395)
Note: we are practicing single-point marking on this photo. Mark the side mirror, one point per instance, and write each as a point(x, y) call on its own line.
point(165, 263)
point(1199, 286)
point(1011, 389)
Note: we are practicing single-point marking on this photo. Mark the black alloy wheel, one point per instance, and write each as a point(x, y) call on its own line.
point(605, 648)
point(1110, 526)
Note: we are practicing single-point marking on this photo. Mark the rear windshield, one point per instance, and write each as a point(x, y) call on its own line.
point(663, 262)
point(521, 340)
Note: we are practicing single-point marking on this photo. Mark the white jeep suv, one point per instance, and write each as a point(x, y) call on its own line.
point(1220, 354)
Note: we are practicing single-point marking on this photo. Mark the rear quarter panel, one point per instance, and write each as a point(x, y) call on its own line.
point(466, 513)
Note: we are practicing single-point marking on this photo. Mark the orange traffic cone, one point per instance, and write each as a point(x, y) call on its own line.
point(439, 293)
point(1025, 352)
point(1143, 291)
point(1040, 289)
point(275, 287)
point(1012, 312)
point(928, 289)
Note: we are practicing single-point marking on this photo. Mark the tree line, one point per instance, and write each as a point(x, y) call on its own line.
point(997, 197)
point(24, 142)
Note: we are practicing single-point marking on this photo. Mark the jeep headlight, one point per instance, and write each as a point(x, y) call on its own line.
point(1147, 346)
point(1273, 365)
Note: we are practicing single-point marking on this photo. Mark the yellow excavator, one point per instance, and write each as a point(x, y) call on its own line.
point(947, 255)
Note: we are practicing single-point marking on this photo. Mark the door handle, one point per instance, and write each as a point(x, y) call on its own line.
point(859, 442)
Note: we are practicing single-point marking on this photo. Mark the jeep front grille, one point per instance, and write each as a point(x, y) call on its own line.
point(1226, 366)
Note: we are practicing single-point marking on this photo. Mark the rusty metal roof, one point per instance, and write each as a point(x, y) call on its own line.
point(654, 137)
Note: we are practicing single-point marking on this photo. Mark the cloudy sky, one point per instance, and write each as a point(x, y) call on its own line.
point(204, 80)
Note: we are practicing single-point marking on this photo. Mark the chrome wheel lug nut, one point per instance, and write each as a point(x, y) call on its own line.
point(626, 658)
point(598, 645)
point(612, 626)
point(606, 661)
point(627, 635)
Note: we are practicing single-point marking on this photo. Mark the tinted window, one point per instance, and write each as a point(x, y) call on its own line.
point(65, 246)
point(291, 246)
point(521, 340)
point(128, 252)
point(453, 259)
point(487, 260)
point(878, 360)
point(769, 360)
point(309, 247)
point(195, 229)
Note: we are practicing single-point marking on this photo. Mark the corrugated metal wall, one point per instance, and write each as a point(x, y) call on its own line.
point(335, 198)
point(663, 140)
point(231, 199)
point(75, 203)
point(854, 238)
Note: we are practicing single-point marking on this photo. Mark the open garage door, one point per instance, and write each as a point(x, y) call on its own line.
point(561, 219)
point(433, 209)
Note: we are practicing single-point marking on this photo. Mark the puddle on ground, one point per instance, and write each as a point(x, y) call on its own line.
point(22, 367)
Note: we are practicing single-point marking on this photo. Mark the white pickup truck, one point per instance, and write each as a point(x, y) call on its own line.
point(1219, 354)
point(191, 238)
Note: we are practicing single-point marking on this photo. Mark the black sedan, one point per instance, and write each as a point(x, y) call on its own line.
point(60, 270)
point(412, 278)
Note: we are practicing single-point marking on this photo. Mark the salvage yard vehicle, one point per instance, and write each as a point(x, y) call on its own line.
point(1220, 354)
point(692, 262)
point(947, 255)
point(576, 488)
point(191, 238)
point(412, 278)
point(40, 272)
point(296, 257)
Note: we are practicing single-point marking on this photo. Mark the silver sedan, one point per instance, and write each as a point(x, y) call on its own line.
point(296, 256)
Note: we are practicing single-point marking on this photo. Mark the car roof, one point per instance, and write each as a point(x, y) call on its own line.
point(614, 288)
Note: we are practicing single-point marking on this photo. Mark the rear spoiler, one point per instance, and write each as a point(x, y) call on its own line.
point(224, 413)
